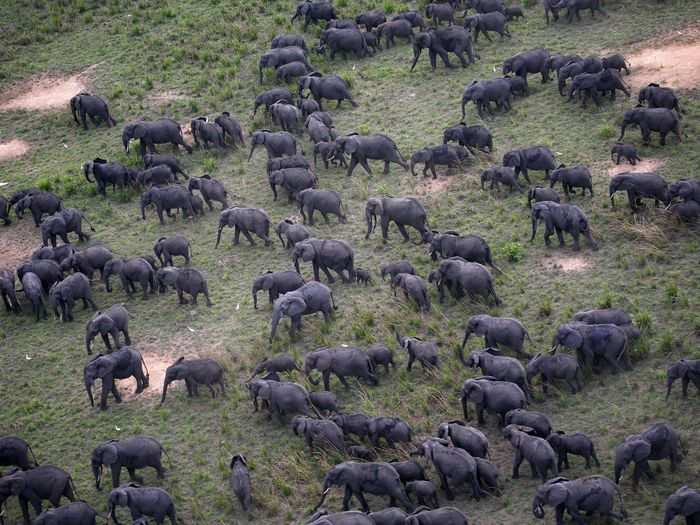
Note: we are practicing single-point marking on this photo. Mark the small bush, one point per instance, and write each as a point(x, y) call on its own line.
point(643, 322)
point(606, 300)
point(209, 164)
point(529, 3)
point(545, 309)
point(672, 293)
point(513, 251)
point(666, 343)
point(389, 7)
point(606, 132)
point(44, 184)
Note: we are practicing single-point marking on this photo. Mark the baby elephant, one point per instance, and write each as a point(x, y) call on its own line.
point(166, 248)
point(425, 352)
point(578, 444)
point(240, 480)
point(570, 178)
point(628, 151)
point(379, 354)
point(363, 276)
point(110, 322)
point(361, 452)
point(425, 492)
point(501, 175)
point(324, 401)
point(413, 287)
point(189, 280)
point(195, 372)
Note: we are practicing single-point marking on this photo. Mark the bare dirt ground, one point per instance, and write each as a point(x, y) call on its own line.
point(164, 97)
point(42, 93)
point(13, 149)
point(644, 166)
point(429, 185)
point(566, 264)
point(17, 242)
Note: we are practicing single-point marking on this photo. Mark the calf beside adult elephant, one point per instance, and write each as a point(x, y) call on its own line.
point(460, 277)
point(442, 155)
point(640, 186)
point(684, 502)
point(330, 87)
point(279, 56)
point(142, 501)
point(686, 370)
point(327, 202)
point(276, 284)
point(290, 232)
point(661, 120)
point(539, 158)
point(471, 248)
point(211, 190)
point(195, 372)
point(63, 294)
point(39, 203)
point(106, 173)
point(110, 322)
point(499, 367)
point(492, 396)
point(183, 280)
point(166, 199)
point(607, 342)
point(61, 223)
point(277, 143)
point(324, 255)
point(131, 453)
point(402, 211)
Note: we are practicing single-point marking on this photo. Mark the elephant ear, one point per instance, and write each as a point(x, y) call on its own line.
point(294, 307)
point(572, 338)
point(476, 393)
point(17, 485)
point(138, 131)
point(104, 367)
point(351, 145)
point(640, 450)
point(557, 494)
point(109, 454)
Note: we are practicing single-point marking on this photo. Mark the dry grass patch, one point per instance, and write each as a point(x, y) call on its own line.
point(13, 149)
point(643, 166)
point(428, 185)
point(42, 93)
point(17, 242)
point(567, 264)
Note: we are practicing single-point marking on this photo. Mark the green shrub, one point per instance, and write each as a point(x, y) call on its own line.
point(513, 251)
point(606, 131)
point(643, 322)
point(666, 343)
point(672, 293)
point(529, 3)
point(209, 164)
point(606, 300)
point(389, 7)
point(545, 309)
point(44, 184)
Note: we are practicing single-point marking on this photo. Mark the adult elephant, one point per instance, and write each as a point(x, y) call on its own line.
point(640, 186)
point(658, 441)
point(325, 254)
point(583, 496)
point(277, 143)
point(211, 190)
point(539, 158)
point(110, 322)
point(686, 370)
point(281, 55)
point(61, 223)
point(393, 28)
point(39, 203)
point(686, 190)
point(442, 155)
point(195, 372)
point(403, 211)
point(343, 40)
point(483, 92)
point(561, 218)
point(245, 220)
point(454, 466)
point(48, 271)
point(282, 398)
point(615, 316)
point(503, 331)
point(341, 362)
point(16, 451)
point(500, 367)
point(290, 232)
point(131, 270)
point(325, 201)
point(532, 61)
point(166, 199)
point(536, 450)
point(661, 120)
point(131, 453)
point(183, 280)
point(207, 132)
point(293, 180)
point(269, 97)
point(594, 341)
point(318, 432)
point(485, 6)
point(460, 277)
point(470, 137)
point(494, 21)
point(574, 8)
point(492, 396)
point(379, 479)
point(63, 294)
point(287, 116)
point(471, 248)
point(656, 96)
point(87, 105)
point(370, 19)
point(5, 211)
point(551, 6)
point(309, 299)
point(87, 261)
point(284, 40)
point(276, 284)
point(151, 160)
point(120, 364)
point(149, 133)
point(314, 11)
point(441, 516)
point(106, 173)
point(465, 437)
point(684, 502)
point(76, 513)
point(231, 127)
point(8, 292)
point(376, 146)
point(330, 87)
point(142, 501)
point(439, 42)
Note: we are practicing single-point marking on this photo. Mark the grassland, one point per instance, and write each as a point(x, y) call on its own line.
point(187, 58)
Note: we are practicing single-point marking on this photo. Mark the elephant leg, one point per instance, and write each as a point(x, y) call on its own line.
point(347, 496)
point(404, 233)
point(325, 217)
point(386, 167)
point(236, 235)
point(213, 392)
point(411, 359)
point(343, 380)
point(327, 380)
point(353, 163)
point(365, 165)
point(330, 278)
point(517, 460)
point(133, 476)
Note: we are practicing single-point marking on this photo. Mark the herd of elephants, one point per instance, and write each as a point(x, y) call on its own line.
point(58, 275)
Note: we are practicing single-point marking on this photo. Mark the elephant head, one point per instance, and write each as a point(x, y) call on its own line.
point(166, 277)
point(307, 81)
point(135, 130)
point(292, 306)
point(117, 498)
point(342, 474)
point(147, 197)
point(23, 204)
point(508, 66)
point(631, 117)
point(284, 224)
point(556, 175)
point(274, 179)
point(567, 336)
point(100, 324)
point(301, 10)
point(684, 502)
point(299, 425)
point(533, 367)
point(420, 41)
point(683, 189)
point(422, 156)
point(553, 493)
point(319, 360)
point(634, 448)
point(645, 93)
point(104, 454)
point(304, 250)
point(478, 325)
point(263, 282)
point(238, 458)
point(258, 388)
point(472, 390)
point(674, 372)
point(98, 368)
point(176, 371)
point(257, 138)
point(226, 218)
point(540, 212)
point(513, 159)
point(373, 209)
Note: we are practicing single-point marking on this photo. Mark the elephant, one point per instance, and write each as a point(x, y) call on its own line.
point(313, 11)
point(343, 40)
point(39, 203)
point(388, 516)
point(44, 482)
point(269, 97)
point(409, 470)
point(330, 87)
point(483, 23)
point(617, 62)
point(594, 342)
point(87, 105)
point(160, 175)
point(513, 12)
point(573, 177)
point(497, 366)
point(329, 152)
point(590, 84)
point(308, 106)
point(465, 437)
point(685, 369)
point(454, 466)
point(555, 62)
point(341, 362)
point(488, 476)
point(684, 502)
point(561, 218)
point(412, 16)
point(58, 254)
point(589, 495)
point(656, 442)
point(685, 189)
point(293, 180)
point(166, 248)
point(688, 211)
point(288, 41)
point(63, 294)
point(165, 199)
point(539, 424)
point(532, 61)
point(536, 450)
point(291, 233)
point(413, 287)
point(425, 352)
point(540, 193)
point(350, 517)
point(628, 151)
point(356, 424)
point(106, 173)
point(578, 66)
point(149, 133)
point(75, 513)
point(230, 126)
point(483, 92)
point(440, 12)
point(573, 8)
point(110, 322)
point(370, 19)
point(518, 85)
point(442, 155)
point(377, 146)
point(153, 502)
point(16, 451)
point(277, 144)
point(61, 223)
point(245, 220)
point(32, 287)
point(120, 364)
point(640, 186)
point(493, 396)
point(318, 130)
point(324, 401)
point(661, 120)
point(471, 248)
point(240, 481)
point(363, 276)
point(294, 161)
point(280, 56)
point(551, 6)
point(425, 491)
point(614, 316)
point(403, 211)
point(325, 254)
point(277, 363)
point(211, 190)
point(577, 443)
point(291, 70)
point(393, 269)
point(504, 331)
point(276, 284)
point(195, 372)
point(282, 398)
point(131, 270)
point(318, 431)
point(485, 6)
point(310, 298)
point(501, 175)
point(380, 354)
point(439, 42)
point(461, 276)
point(470, 137)
point(183, 280)
point(557, 366)
point(538, 158)
point(206, 132)
point(380, 479)
point(5, 211)
point(48, 271)
point(659, 97)
point(151, 160)
point(8, 292)
point(286, 115)
point(131, 453)
point(441, 516)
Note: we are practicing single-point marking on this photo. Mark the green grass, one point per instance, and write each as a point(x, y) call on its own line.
point(206, 52)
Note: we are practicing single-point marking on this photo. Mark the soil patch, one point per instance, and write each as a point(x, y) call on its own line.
point(566, 264)
point(429, 185)
point(643, 166)
point(13, 149)
point(165, 97)
point(17, 242)
point(42, 93)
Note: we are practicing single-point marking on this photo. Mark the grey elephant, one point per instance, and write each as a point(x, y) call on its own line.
point(48, 271)
point(161, 131)
point(491, 395)
point(577, 443)
point(319, 432)
point(330, 87)
point(318, 130)
point(531, 61)
point(314, 11)
point(488, 22)
point(151, 160)
point(402, 211)
point(465, 437)
point(485, 6)
point(61, 223)
point(286, 115)
point(63, 294)
point(555, 367)
point(277, 57)
point(343, 40)
point(606, 342)
point(460, 276)
point(628, 151)
point(86, 105)
point(87, 261)
point(539, 423)
point(290, 232)
point(614, 316)
point(166, 199)
point(393, 269)
point(110, 322)
point(686, 190)
point(5, 211)
point(205, 132)
point(330, 154)
point(500, 175)
point(269, 97)
point(16, 451)
point(391, 429)
point(230, 126)
point(640, 186)
point(75, 513)
point(656, 442)
point(282, 398)
point(659, 97)
point(497, 331)
point(414, 287)
point(377, 146)
point(661, 120)
point(160, 175)
point(483, 92)
point(240, 481)
point(493, 364)
point(327, 202)
point(277, 143)
point(470, 137)
point(684, 502)
point(293, 180)
point(393, 28)
point(183, 280)
point(277, 363)
point(195, 372)
point(442, 155)
point(276, 284)
point(454, 466)
point(441, 516)
point(380, 354)
point(583, 496)
point(57, 254)
point(471, 248)
point(538, 158)
point(425, 352)
point(562, 218)
point(409, 470)
point(388, 516)
point(120, 364)
point(572, 177)
point(142, 501)
point(440, 12)
point(8, 292)
point(325, 402)
point(131, 453)
point(106, 173)
point(211, 190)
point(325, 254)
point(535, 450)
point(356, 424)
point(342, 362)
point(32, 288)
point(439, 42)
point(290, 71)
point(686, 370)
point(425, 492)
point(166, 248)
point(412, 16)
point(488, 476)
point(245, 220)
point(131, 270)
point(309, 299)
point(39, 203)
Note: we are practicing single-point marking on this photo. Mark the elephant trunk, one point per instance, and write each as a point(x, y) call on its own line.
point(413, 171)
point(126, 138)
point(622, 131)
point(276, 316)
point(97, 472)
point(252, 149)
point(218, 235)
point(326, 490)
point(465, 407)
point(143, 209)
point(371, 219)
point(86, 170)
point(255, 291)
point(417, 50)
point(166, 383)
point(534, 228)
point(669, 515)
point(88, 343)
point(307, 372)
point(619, 468)
point(467, 333)
point(537, 510)
point(296, 263)
point(88, 388)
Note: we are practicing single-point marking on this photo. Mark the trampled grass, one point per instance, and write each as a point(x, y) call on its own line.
point(184, 59)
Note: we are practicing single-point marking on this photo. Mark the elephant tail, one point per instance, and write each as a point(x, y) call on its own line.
point(527, 334)
point(148, 375)
point(335, 306)
point(36, 463)
point(92, 228)
point(189, 248)
point(75, 491)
